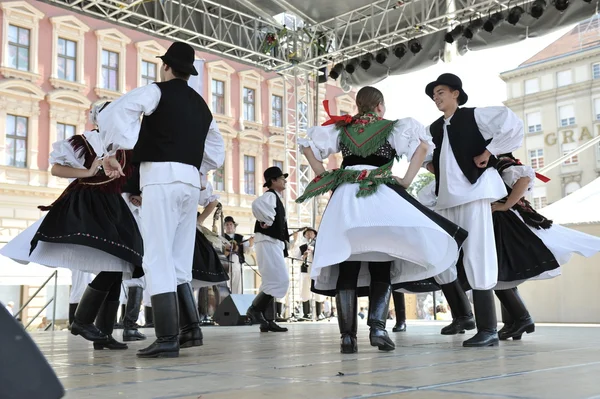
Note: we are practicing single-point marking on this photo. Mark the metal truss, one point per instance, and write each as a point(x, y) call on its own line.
point(212, 27)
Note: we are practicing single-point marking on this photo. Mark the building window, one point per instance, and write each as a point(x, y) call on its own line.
point(304, 180)
point(64, 131)
point(67, 59)
point(571, 187)
point(16, 141)
point(249, 186)
point(148, 73)
point(218, 96)
point(532, 86)
point(536, 158)
point(596, 71)
point(249, 104)
point(540, 202)
point(277, 111)
point(110, 70)
point(566, 115)
point(597, 108)
point(18, 47)
point(219, 179)
point(564, 78)
point(534, 122)
point(567, 148)
point(279, 164)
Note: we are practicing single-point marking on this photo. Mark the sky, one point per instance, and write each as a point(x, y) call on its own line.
point(479, 71)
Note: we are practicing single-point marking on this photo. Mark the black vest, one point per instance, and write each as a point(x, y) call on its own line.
point(278, 229)
point(239, 239)
point(177, 129)
point(466, 142)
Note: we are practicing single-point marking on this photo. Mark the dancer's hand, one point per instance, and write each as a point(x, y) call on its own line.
point(482, 159)
point(401, 182)
point(136, 200)
point(500, 207)
point(95, 168)
point(112, 167)
point(430, 167)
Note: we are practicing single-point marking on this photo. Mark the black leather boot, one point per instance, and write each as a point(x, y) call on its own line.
point(306, 310)
point(400, 307)
point(72, 309)
point(256, 311)
point(166, 322)
point(346, 304)
point(462, 316)
point(121, 322)
point(485, 316)
point(269, 314)
point(190, 333)
point(87, 310)
point(379, 306)
point(132, 311)
point(319, 310)
point(521, 321)
point(148, 317)
point(105, 321)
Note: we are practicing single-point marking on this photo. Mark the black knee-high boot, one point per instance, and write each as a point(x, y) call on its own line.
point(346, 303)
point(379, 306)
point(485, 316)
point(190, 333)
point(306, 309)
point(85, 314)
point(105, 321)
point(521, 320)
point(462, 316)
point(400, 308)
point(319, 310)
point(166, 324)
point(256, 311)
point(132, 311)
point(148, 317)
point(72, 309)
point(269, 314)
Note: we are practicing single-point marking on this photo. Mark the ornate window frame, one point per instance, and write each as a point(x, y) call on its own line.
point(345, 103)
point(276, 147)
point(112, 40)
point(24, 15)
point(147, 51)
point(251, 143)
point(220, 70)
point(228, 135)
point(251, 79)
point(276, 88)
point(71, 28)
point(21, 98)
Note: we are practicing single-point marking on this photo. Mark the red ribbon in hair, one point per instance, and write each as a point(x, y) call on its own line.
point(334, 118)
point(538, 175)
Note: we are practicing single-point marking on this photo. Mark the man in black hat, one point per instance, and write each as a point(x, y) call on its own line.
point(237, 258)
point(270, 242)
point(305, 251)
point(466, 141)
point(175, 143)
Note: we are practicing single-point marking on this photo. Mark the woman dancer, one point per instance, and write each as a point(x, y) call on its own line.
point(371, 218)
point(88, 228)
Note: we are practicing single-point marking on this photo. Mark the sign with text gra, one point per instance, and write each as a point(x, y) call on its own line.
point(570, 135)
point(197, 82)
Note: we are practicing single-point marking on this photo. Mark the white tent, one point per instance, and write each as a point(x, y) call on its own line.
point(580, 207)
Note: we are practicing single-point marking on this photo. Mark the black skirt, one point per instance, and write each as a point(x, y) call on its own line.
point(96, 219)
point(458, 233)
point(207, 264)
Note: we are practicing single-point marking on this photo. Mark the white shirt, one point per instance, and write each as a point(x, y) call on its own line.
point(120, 123)
point(506, 131)
point(263, 209)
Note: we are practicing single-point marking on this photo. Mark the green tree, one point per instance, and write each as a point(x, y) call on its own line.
point(420, 181)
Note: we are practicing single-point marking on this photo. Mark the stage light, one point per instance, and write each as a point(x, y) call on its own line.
point(454, 34)
point(336, 71)
point(365, 62)
point(561, 5)
point(472, 29)
point(414, 46)
point(382, 55)
point(537, 8)
point(514, 15)
point(493, 21)
point(351, 66)
point(400, 50)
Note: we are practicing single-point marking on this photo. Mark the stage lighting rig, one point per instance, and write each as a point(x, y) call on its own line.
point(473, 28)
point(414, 46)
point(351, 66)
point(454, 34)
point(400, 50)
point(365, 62)
point(336, 71)
point(382, 55)
point(514, 15)
point(537, 8)
point(493, 21)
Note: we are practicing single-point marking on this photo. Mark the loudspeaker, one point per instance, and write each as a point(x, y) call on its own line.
point(232, 311)
point(24, 371)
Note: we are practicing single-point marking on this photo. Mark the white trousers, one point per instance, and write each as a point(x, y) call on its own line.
point(169, 231)
point(305, 293)
point(79, 282)
point(479, 249)
point(235, 272)
point(272, 268)
point(146, 298)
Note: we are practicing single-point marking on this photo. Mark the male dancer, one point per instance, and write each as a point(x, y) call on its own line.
point(176, 142)
point(237, 258)
point(306, 251)
point(271, 250)
point(466, 183)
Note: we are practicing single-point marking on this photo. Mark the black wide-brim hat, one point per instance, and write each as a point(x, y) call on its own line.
point(450, 80)
point(180, 56)
point(274, 172)
point(229, 219)
point(309, 229)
